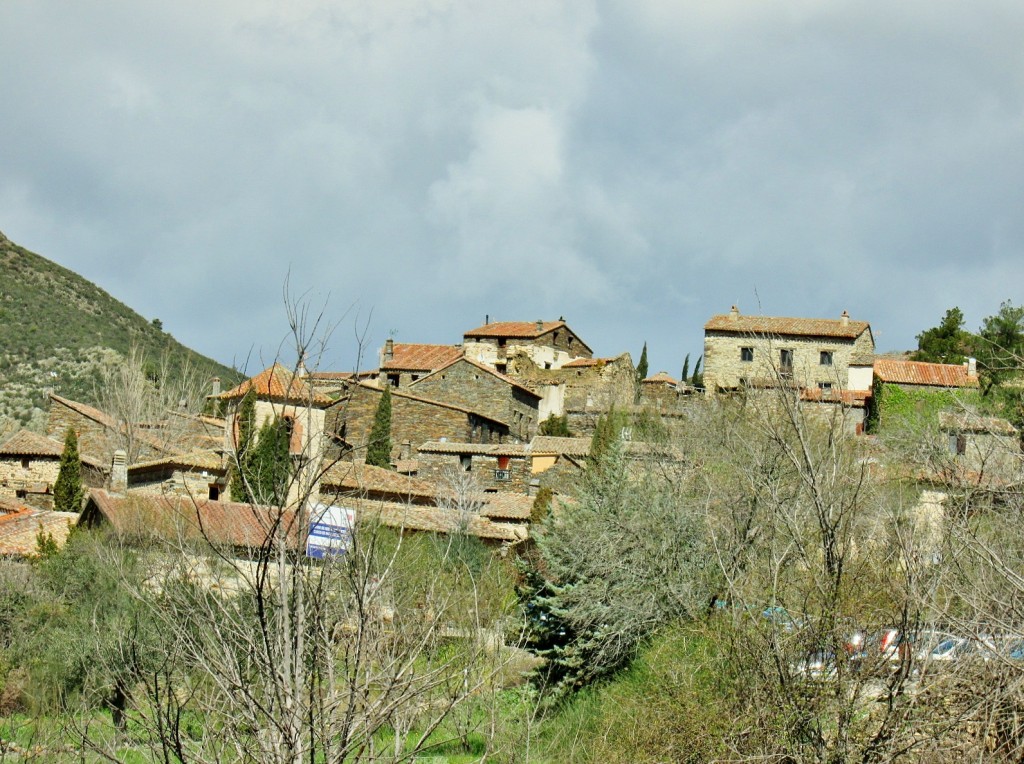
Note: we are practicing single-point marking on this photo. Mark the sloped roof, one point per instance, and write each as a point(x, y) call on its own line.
point(921, 373)
point(185, 519)
point(482, 367)
point(419, 399)
point(965, 421)
point(549, 444)
point(278, 383)
point(507, 506)
point(19, 530)
point(778, 326)
point(26, 443)
point(855, 398)
point(483, 449)
point(409, 356)
point(661, 378)
point(523, 329)
point(354, 476)
point(419, 517)
point(582, 363)
point(205, 459)
point(85, 410)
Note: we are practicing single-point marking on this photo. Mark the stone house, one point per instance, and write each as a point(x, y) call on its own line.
point(29, 464)
point(20, 526)
point(549, 344)
point(199, 474)
point(918, 375)
point(849, 406)
point(100, 434)
point(764, 351)
point(283, 394)
point(343, 480)
point(983, 450)
point(403, 363)
point(662, 392)
point(414, 420)
point(503, 467)
point(473, 385)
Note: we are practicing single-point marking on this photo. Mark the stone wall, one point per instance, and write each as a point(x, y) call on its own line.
point(170, 481)
point(466, 385)
point(414, 421)
point(483, 467)
point(30, 479)
point(93, 438)
point(724, 367)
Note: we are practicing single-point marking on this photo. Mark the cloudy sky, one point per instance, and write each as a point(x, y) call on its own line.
point(632, 165)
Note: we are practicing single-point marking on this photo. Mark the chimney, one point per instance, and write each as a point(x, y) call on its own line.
point(389, 351)
point(734, 313)
point(972, 367)
point(406, 450)
point(844, 319)
point(487, 318)
point(119, 472)
point(540, 326)
point(215, 386)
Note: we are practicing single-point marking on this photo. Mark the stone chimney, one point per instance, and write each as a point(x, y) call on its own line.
point(844, 319)
point(972, 367)
point(734, 313)
point(215, 386)
point(540, 326)
point(119, 472)
point(389, 351)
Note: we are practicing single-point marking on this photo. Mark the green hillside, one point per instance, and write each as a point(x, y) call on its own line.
point(57, 329)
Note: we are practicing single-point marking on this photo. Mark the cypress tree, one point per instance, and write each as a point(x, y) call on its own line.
point(685, 376)
point(641, 367)
point(68, 492)
point(378, 451)
point(268, 464)
point(246, 421)
point(697, 380)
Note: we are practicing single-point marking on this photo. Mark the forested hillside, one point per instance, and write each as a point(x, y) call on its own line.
point(57, 330)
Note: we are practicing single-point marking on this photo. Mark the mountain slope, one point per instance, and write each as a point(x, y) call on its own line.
point(56, 331)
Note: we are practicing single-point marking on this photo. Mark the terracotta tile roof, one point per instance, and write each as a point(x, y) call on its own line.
point(661, 378)
point(855, 398)
point(771, 326)
point(365, 477)
point(523, 329)
point(178, 518)
point(87, 411)
point(20, 529)
point(279, 384)
point(435, 519)
point(420, 357)
point(26, 443)
point(583, 363)
point(420, 399)
point(206, 459)
point(507, 506)
point(920, 373)
point(482, 367)
point(484, 449)
point(548, 444)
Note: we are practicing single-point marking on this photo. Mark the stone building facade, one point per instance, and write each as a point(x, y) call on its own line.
point(414, 421)
point(505, 468)
point(199, 475)
point(29, 464)
point(480, 388)
point(762, 351)
point(549, 344)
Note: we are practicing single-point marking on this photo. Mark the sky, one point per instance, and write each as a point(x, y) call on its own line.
point(406, 168)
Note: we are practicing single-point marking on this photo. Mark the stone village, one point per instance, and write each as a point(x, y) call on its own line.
point(468, 448)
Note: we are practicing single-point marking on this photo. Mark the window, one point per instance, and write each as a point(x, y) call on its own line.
point(503, 462)
point(393, 380)
point(25, 462)
point(214, 493)
point(824, 385)
point(957, 444)
point(825, 358)
point(466, 462)
point(500, 368)
point(501, 342)
point(414, 377)
point(786, 361)
point(747, 354)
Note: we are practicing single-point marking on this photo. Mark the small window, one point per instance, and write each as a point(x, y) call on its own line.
point(825, 358)
point(214, 493)
point(747, 354)
point(25, 462)
point(21, 493)
point(414, 377)
point(500, 368)
point(786, 361)
point(503, 462)
point(547, 364)
point(393, 379)
point(501, 342)
point(466, 462)
point(957, 444)
point(825, 386)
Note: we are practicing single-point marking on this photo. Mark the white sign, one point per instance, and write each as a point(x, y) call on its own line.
point(330, 531)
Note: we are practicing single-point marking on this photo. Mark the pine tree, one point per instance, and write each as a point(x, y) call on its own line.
point(68, 492)
point(246, 423)
point(684, 377)
point(378, 451)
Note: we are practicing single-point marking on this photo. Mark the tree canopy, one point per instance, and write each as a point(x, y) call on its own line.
point(378, 451)
point(948, 342)
point(68, 491)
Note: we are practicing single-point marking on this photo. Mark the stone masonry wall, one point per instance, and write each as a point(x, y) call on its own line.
point(463, 384)
point(724, 367)
point(436, 467)
point(93, 438)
